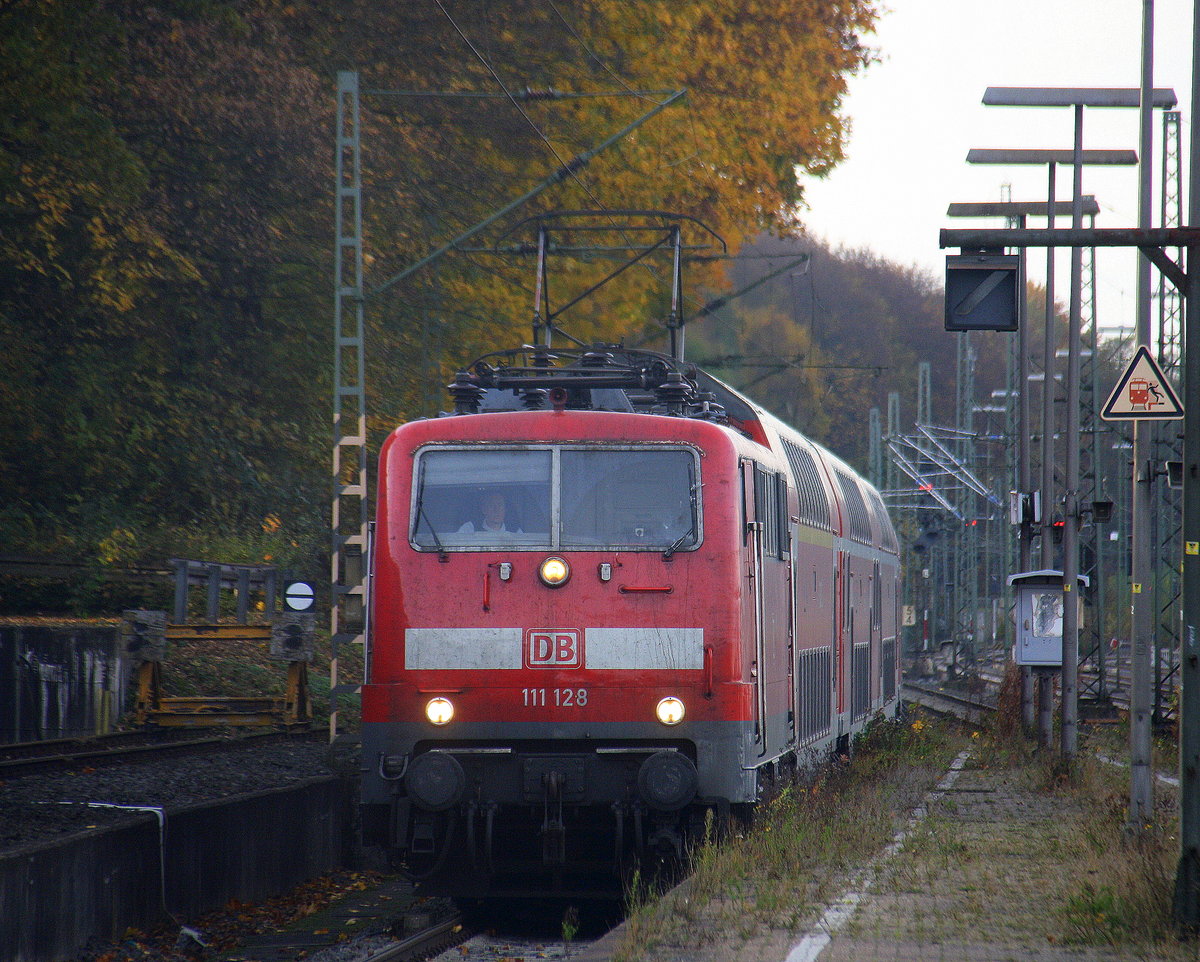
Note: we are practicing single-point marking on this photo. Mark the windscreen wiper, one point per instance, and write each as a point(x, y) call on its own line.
point(437, 542)
point(682, 538)
point(691, 531)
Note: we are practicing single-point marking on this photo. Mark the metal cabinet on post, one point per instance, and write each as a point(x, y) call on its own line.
point(1039, 615)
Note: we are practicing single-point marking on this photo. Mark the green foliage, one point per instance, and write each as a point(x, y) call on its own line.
point(1133, 902)
point(151, 315)
point(1097, 914)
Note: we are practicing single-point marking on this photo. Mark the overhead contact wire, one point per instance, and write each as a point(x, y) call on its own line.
point(533, 126)
point(513, 100)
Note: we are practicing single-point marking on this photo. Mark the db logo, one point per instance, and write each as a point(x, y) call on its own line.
point(553, 648)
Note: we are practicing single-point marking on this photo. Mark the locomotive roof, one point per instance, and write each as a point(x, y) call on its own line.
point(604, 377)
point(609, 377)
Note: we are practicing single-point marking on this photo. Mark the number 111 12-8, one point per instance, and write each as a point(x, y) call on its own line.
point(556, 697)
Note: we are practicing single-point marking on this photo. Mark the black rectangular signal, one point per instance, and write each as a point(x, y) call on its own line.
point(981, 292)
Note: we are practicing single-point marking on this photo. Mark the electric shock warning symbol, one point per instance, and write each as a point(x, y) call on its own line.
point(1142, 393)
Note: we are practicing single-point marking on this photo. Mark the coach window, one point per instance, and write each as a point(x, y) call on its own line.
point(876, 598)
point(814, 506)
point(770, 497)
point(781, 515)
point(860, 524)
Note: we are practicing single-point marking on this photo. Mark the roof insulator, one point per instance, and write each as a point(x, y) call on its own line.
point(706, 407)
point(596, 359)
point(466, 394)
point(674, 392)
point(534, 398)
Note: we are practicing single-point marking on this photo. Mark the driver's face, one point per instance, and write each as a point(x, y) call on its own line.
point(493, 508)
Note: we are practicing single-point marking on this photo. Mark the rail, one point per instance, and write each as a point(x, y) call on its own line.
point(426, 943)
point(29, 758)
point(944, 702)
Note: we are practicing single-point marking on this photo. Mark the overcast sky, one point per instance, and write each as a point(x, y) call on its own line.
point(917, 112)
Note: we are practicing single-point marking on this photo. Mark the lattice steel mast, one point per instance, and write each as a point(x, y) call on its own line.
point(350, 512)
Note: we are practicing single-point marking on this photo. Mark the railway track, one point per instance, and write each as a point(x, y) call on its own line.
point(969, 708)
point(978, 709)
point(435, 932)
point(428, 943)
point(1118, 681)
point(380, 923)
point(457, 937)
point(1116, 689)
point(29, 758)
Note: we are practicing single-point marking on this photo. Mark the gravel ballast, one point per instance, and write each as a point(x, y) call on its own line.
point(43, 807)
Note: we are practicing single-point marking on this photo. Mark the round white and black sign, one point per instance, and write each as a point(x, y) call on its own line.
point(298, 596)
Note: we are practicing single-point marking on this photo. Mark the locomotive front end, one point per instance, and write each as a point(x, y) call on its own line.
point(543, 704)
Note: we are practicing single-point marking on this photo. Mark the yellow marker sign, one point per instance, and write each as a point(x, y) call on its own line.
point(1192, 547)
point(1137, 588)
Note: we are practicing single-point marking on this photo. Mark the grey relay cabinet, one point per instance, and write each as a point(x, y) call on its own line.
point(1039, 615)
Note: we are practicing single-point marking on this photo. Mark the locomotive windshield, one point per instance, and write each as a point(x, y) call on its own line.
point(543, 497)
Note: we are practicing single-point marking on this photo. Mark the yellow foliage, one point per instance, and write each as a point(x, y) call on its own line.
point(118, 547)
point(764, 82)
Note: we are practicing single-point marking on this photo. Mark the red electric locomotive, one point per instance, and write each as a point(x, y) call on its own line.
point(608, 596)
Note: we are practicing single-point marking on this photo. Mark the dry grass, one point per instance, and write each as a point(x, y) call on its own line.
point(1016, 854)
point(1123, 890)
point(1022, 855)
point(776, 875)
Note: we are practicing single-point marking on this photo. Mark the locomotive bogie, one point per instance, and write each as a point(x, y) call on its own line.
point(599, 758)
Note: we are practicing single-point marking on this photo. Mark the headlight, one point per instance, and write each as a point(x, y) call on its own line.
point(439, 710)
point(554, 572)
point(669, 711)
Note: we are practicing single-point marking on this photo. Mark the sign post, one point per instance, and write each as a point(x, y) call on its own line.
point(298, 596)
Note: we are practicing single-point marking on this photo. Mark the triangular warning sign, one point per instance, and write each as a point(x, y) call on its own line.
point(1142, 393)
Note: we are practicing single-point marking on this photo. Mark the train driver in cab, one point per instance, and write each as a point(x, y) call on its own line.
point(493, 508)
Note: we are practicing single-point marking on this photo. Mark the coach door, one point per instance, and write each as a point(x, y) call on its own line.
point(843, 628)
point(795, 678)
point(753, 554)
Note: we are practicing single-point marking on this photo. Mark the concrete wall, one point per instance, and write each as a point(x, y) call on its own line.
point(60, 682)
point(55, 898)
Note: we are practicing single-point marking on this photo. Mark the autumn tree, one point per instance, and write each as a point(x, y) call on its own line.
point(764, 85)
point(166, 224)
point(159, 271)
